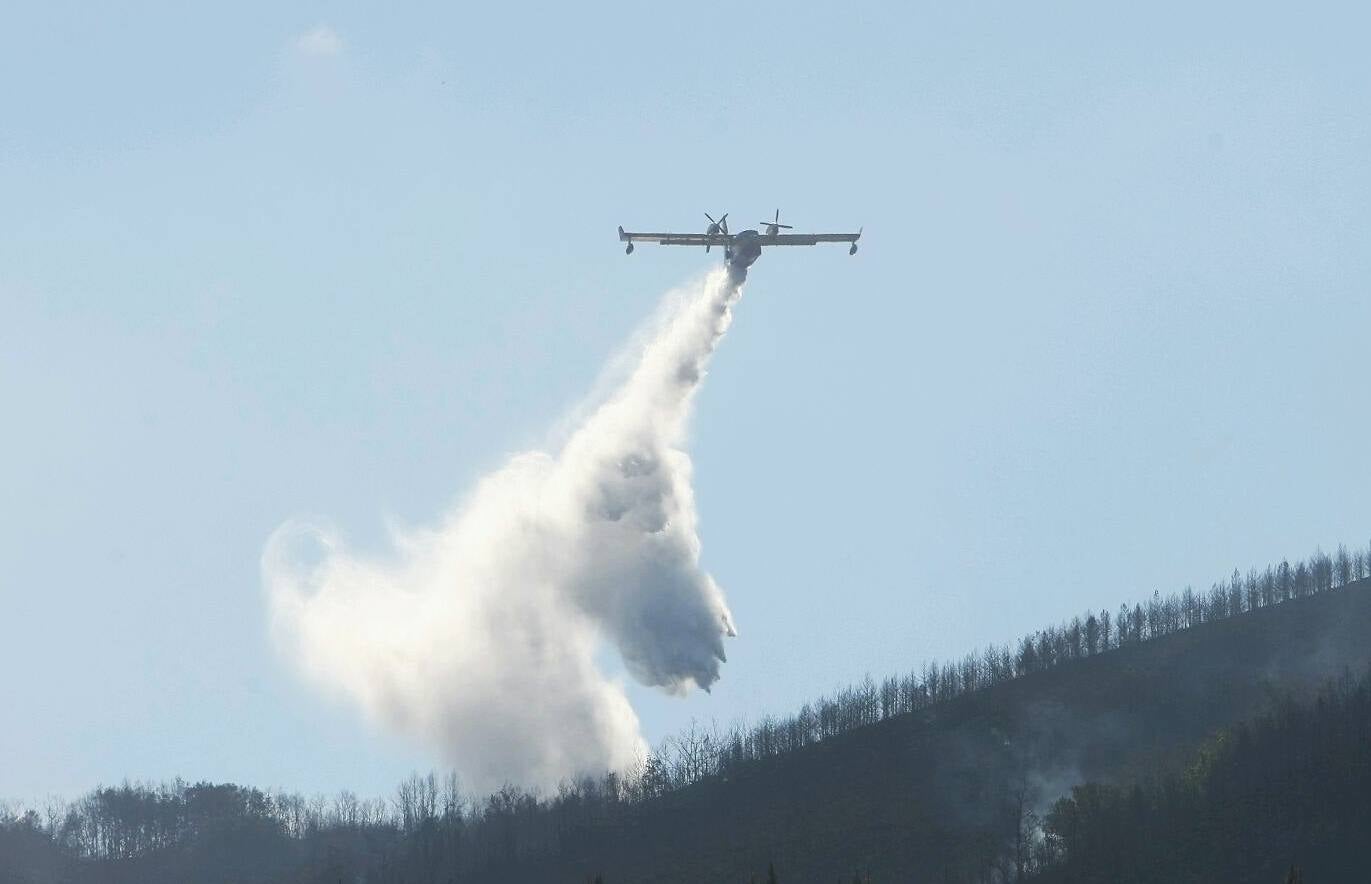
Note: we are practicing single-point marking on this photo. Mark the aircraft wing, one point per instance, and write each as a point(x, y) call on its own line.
point(677, 239)
point(807, 239)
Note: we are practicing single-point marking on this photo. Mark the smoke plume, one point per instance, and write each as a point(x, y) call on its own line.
point(478, 636)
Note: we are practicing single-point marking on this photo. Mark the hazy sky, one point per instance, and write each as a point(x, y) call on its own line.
point(1105, 335)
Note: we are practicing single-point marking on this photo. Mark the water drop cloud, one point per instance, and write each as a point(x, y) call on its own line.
point(478, 636)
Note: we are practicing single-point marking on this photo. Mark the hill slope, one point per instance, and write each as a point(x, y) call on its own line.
point(1289, 790)
point(941, 795)
point(950, 792)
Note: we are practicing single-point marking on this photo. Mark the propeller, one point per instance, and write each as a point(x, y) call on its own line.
point(720, 226)
point(775, 224)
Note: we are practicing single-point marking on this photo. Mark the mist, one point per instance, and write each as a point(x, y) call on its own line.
point(478, 636)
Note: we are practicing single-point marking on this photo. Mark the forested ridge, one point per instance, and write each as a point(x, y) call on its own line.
point(945, 773)
point(1291, 789)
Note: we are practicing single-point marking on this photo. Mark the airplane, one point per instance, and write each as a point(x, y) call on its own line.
point(740, 249)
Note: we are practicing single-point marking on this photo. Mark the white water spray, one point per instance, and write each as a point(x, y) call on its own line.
point(478, 636)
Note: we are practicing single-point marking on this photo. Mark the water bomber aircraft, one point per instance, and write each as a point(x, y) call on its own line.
point(743, 248)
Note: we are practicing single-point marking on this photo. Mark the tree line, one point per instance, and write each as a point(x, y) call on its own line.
point(431, 823)
point(698, 753)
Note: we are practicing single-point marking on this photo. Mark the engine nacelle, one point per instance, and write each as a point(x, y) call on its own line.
point(853, 250)
point(628, 249)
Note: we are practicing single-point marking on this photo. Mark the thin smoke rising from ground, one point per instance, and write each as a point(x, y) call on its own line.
point(478, 636)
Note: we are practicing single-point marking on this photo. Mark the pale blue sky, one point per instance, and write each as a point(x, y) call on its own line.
point(1105, 334)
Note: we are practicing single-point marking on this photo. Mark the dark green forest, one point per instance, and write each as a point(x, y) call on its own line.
point(1217, 735)
point(1295, 784)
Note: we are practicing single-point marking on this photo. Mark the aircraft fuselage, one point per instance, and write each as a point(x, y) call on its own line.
point(744, 251)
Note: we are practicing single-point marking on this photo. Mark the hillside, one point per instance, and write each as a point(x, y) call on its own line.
point(938, 795)
point(1288, 791)
point(941, 778)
